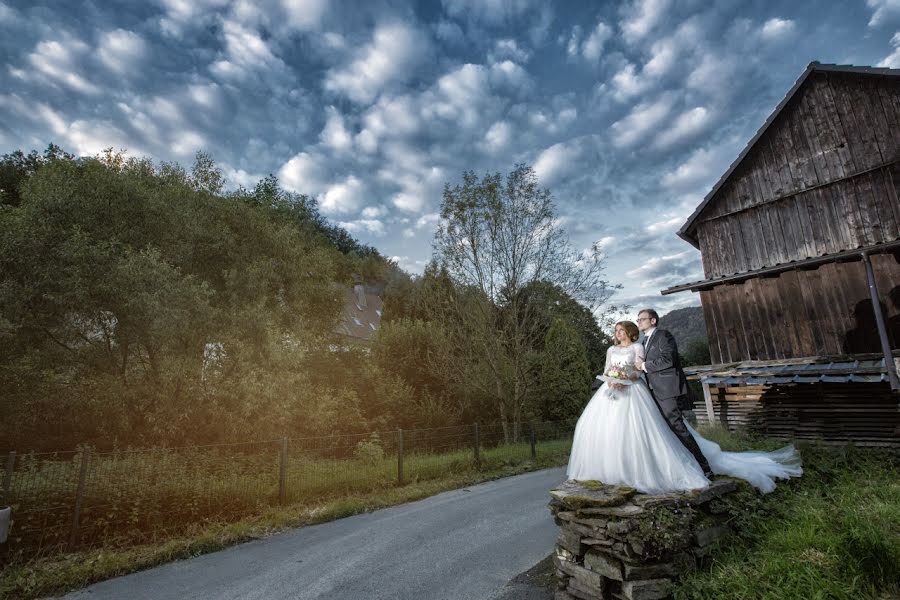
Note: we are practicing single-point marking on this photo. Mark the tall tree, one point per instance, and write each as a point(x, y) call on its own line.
point(565, 382)
point(496, 238)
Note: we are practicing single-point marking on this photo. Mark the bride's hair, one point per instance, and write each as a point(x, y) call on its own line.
point(631, 329)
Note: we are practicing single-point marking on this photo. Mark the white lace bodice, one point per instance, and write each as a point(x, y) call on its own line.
point(618, 356)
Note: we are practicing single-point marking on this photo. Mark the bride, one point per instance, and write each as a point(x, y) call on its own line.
point(622, 438)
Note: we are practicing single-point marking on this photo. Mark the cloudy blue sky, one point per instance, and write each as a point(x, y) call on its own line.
point(628, 111)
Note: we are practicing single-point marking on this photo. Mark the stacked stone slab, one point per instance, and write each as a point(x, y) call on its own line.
point(617, 544)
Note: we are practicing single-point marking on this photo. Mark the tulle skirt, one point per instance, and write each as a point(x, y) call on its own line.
point(622, 438)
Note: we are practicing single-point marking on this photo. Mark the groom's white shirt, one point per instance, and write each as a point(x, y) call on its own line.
point(647, 336)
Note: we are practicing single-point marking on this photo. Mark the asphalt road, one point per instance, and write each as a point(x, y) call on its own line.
point(464, 544)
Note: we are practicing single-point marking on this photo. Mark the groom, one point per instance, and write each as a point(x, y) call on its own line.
point(666, 380)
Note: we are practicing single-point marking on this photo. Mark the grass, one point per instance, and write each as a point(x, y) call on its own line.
point(833, 533)
point(363, 488)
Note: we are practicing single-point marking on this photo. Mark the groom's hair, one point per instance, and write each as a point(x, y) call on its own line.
point(650, 313)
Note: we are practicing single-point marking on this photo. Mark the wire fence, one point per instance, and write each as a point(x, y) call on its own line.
point(66, 501)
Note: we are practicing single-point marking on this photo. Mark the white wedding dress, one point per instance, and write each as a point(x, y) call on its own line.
point(622, 438)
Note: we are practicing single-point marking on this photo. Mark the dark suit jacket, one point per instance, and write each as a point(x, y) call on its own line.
point(663, 366)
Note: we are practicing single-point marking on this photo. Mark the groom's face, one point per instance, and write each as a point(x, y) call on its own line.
point(643, 321)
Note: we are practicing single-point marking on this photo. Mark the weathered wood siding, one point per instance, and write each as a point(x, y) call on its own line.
point(820, 312)
point(824, 177)
point(865, 414)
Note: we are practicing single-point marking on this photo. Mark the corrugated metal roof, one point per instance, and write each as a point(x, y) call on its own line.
point(866, 370)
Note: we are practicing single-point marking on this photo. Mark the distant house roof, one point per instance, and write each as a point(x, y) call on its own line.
point(686, 232)
point(361, 316)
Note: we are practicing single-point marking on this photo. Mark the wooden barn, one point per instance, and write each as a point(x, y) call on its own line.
point(800, 245)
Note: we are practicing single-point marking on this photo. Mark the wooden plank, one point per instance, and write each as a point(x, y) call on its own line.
point(848, 213)
point(863, 119)
point(793, 236)
point(886, 138)
point(815, 169)
point(810, 284)
point(852, 280)
point(762, 348)
point(733, 227)
point(746, 332)
point(725, 324)
point(706, 250)
point(712, 332)
point(843, 161)
point(830, 231)
point(890, 200)
point(799, 315)
point(820, 133)
point(871, 216)
point(708, 404)
point(769, 170)
point(889, 100)
point(822, 293)
point(768, 295)
point(707, 297)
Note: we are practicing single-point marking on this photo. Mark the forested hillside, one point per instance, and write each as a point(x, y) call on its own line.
point(143, 304)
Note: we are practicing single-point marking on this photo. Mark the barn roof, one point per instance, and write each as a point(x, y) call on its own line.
point(686, 232)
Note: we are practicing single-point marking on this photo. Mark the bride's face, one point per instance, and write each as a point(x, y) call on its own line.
point(621, 335)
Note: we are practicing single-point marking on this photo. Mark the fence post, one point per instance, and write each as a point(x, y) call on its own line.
point(533, 439)
point(399, 457)
point(7, 476)
point(79, 498)
point(477, 446)
point(282, 472)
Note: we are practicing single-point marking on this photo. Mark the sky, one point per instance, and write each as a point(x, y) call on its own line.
point(629, 112)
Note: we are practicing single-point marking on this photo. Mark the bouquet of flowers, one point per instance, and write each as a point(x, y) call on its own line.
point(618, 374)
point(621, 374)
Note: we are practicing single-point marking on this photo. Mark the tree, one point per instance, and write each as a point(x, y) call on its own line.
point(565, 381)
point(496, 238)
point(696, 353)
point(550, 303)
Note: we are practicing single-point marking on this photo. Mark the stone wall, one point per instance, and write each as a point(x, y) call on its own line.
point(616, 543)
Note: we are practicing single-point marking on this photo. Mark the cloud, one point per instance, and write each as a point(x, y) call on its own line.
point(510, 75)
point(688, 124)
point(777, 29)
point(304, 173)
point(627, 83)
point(497, 137)
point(374, 212)
point(508, 49)
point(642, 16)
point(884, 10)
point(661, 271)
point(305, 15)
point(121, 51)
point(428, 221)
point(344, 197)
point(335, 135)
point(393, 55)
point(699, 167)
point(555, 162)
point(371, 226)
point(591, 47)
point(892, 60)
point(492, 12)
point(57, 60)
point(640, 122)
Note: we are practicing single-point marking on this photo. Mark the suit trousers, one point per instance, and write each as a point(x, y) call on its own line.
point(669, 407)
